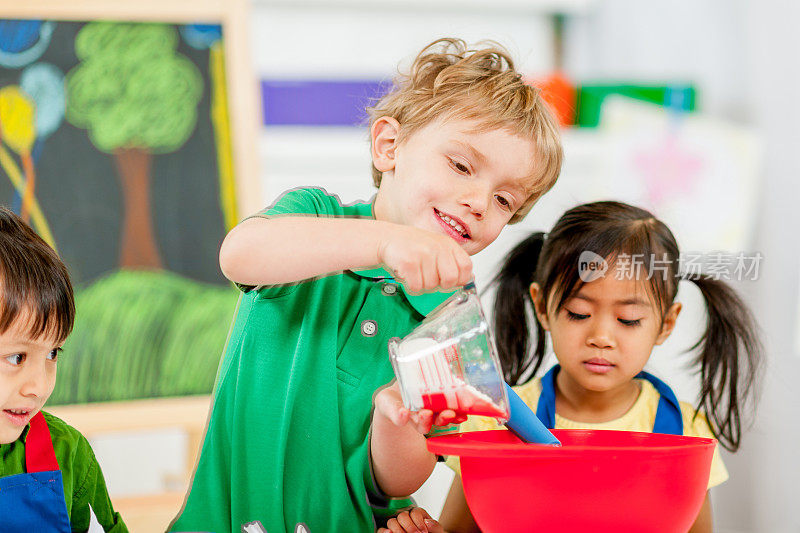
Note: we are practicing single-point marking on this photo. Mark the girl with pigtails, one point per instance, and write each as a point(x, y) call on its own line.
point(602, 285)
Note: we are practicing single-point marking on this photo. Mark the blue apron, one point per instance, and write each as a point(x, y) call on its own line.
point(34, 502)
point(668, 415)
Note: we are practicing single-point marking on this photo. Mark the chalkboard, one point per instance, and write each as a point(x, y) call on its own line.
point(120, 146)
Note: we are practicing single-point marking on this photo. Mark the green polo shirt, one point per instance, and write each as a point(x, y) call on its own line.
point(288, 438)
point(83, 481)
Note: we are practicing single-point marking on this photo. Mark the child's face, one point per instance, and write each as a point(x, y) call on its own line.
point(27, 377)
point(603, 336)
point(450, 179)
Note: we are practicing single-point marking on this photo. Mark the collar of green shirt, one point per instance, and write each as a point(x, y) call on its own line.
point(423, 303)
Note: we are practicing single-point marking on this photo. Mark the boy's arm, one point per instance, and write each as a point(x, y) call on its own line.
point(400, 458)
point(401, 461)
point(704, 523)
point(456, 516)
point(90, 491)
point(272, 251)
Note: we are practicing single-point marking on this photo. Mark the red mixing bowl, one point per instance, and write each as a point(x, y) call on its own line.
point(598, 481)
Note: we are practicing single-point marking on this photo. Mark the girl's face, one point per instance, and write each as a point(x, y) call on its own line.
point(27, 377)
point(604, 334)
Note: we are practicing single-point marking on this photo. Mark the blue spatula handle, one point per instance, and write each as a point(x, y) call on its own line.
point(524, 423)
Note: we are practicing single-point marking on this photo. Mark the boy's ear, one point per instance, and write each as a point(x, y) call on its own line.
point(384, 141)
point(668, 324)
point(539, 306)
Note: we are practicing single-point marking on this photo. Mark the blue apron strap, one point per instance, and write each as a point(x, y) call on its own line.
point(546, 408)
point(669, 419)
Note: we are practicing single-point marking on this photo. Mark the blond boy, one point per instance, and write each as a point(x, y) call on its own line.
point(460, 148)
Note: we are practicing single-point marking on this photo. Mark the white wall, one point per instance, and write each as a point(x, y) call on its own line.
point(773, 74)
point(360, 41)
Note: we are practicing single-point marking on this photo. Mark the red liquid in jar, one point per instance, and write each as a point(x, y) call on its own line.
point(464, 400)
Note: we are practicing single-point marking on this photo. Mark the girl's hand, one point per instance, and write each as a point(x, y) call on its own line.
point(415, 521)
point(389, 404)
point(424, 260)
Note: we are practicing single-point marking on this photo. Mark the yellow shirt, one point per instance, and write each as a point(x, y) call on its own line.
point(640, 417)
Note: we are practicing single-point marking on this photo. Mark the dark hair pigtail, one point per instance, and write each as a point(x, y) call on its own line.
point(730, 359)
point(512, 312)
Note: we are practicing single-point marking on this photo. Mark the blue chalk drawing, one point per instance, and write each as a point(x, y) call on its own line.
point(201, 36)
point(23, 41)
point(44, 83)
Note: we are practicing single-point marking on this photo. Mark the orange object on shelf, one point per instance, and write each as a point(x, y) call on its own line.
point(561, 94)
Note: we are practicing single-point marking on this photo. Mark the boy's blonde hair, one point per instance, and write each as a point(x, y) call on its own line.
point(449, 80)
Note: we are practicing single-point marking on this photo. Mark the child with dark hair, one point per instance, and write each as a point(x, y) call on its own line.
point(49, 477)
point(603, 283)
point(604, 320)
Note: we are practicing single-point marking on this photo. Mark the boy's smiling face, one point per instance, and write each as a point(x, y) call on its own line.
point(27, 377)
point(450, 178)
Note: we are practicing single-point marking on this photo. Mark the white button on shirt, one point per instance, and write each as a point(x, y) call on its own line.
point(369, 328)
point(389, 289)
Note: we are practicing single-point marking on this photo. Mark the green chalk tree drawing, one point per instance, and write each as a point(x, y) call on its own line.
point(137, 97)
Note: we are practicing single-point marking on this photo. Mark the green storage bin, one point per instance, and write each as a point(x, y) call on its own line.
point(590, 98)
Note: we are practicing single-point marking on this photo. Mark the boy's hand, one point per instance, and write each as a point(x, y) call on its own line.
point(424, 260)
point(389, 403)
point(415, 521)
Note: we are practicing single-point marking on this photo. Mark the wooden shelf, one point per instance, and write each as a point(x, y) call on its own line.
point(187, 412)
point(149, 513)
